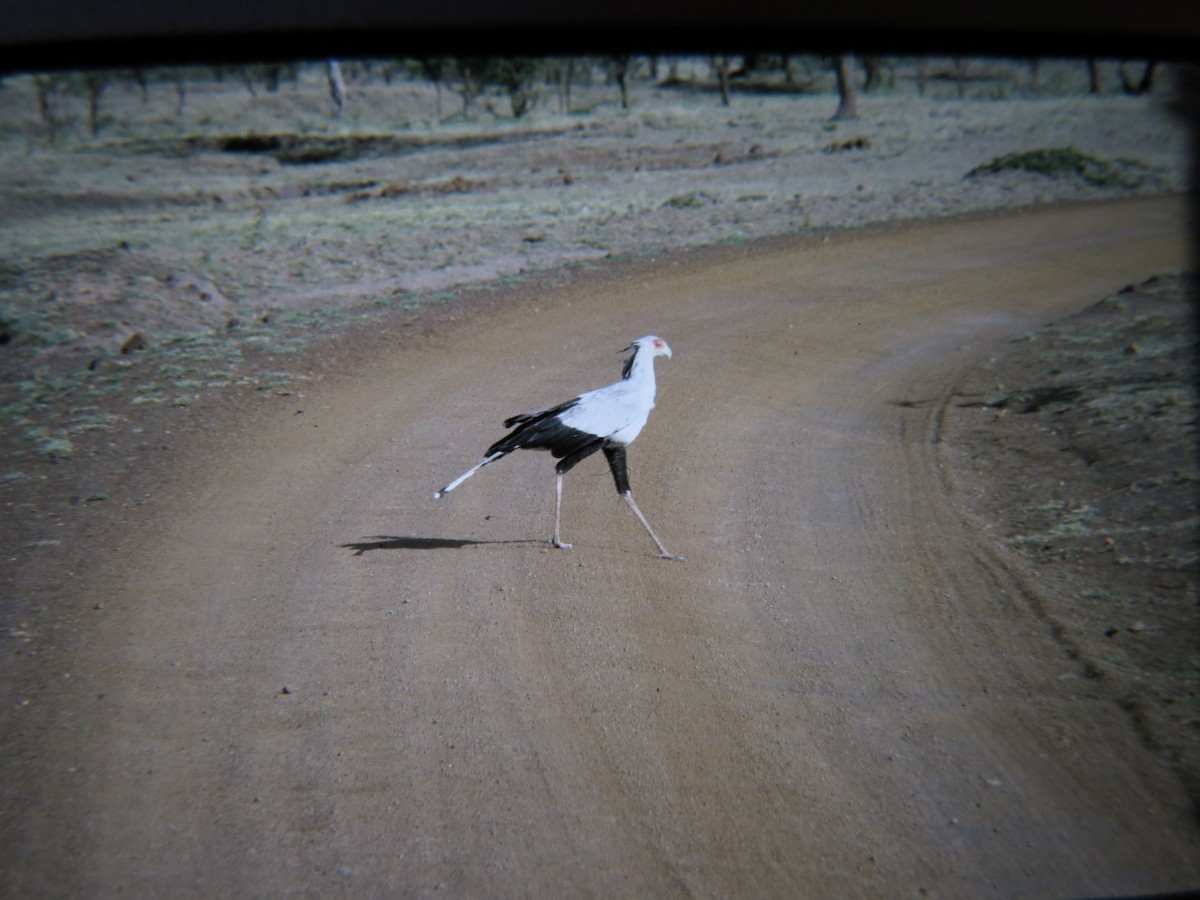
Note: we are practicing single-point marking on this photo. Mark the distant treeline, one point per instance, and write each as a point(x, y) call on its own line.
point(528, 81)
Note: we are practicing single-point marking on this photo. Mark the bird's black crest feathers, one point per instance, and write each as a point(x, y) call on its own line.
point(627, 369)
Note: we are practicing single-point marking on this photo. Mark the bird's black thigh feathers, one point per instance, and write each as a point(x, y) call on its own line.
point(616, 462)
point(569, 461)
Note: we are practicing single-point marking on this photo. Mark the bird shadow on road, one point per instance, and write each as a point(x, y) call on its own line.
point(398, 542)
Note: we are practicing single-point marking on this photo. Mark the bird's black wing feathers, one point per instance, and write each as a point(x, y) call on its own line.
point(543, 430)
point(522, 418)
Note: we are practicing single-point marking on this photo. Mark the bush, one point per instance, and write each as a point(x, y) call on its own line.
point(1062, 162)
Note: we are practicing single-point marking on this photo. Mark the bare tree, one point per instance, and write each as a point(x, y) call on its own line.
point(45, 86)
point(562, 72)
point(94, 84)
point(618, 71)
point(434, 68)
point(180, 89)
point(847, 95)
point(960, 76)
point(789, 76)
point(1137, 87)
point(469, 73)
point(247, 73)
point(881, 72)
point(337, 85)
point(138, 77)
point(516, 75)
point(721, 66)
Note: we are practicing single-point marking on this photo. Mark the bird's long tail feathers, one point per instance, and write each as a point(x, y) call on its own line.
point(467, 474)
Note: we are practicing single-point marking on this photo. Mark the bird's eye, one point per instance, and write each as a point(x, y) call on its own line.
point(658, 342)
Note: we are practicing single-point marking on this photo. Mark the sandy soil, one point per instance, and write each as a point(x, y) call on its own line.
point(299, 664)
point(239, 629)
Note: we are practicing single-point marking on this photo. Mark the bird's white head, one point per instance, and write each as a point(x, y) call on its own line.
point(648, 347)
point(653, 345)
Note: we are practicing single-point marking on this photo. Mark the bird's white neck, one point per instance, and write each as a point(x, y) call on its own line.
point(641, 373)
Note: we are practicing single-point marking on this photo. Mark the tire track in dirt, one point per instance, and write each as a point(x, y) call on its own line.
point(836, 695)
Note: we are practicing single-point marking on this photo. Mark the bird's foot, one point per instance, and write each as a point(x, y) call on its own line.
point(672, 556)
point(561, 545)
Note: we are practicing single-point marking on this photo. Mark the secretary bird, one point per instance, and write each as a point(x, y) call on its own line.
point(607, 419)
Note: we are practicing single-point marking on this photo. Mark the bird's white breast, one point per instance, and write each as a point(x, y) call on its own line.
point(617, 412)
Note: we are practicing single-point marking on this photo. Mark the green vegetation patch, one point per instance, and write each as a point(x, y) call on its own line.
point(1067, 162)
point(688, 201)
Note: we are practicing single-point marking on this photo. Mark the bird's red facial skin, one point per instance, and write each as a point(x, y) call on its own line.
point(658, 343)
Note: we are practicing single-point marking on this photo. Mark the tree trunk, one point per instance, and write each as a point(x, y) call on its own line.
point(337, 86)
point(564, 86)
point(180, 92)
point(518, 76)
point(620, 74)
point(45, 87)
point(247, 74)
point(1144, 86)
point(468, 87)
point(139, 78)
point(435, 70)
point(1095, 82)
point(95, 83)
point(720, 65)
point(847, 97)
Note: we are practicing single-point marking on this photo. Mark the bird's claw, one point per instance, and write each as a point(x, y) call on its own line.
point(672, 556)
point(561, 545)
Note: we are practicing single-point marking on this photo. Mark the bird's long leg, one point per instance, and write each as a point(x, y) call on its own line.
point(558, 480)
point(564, 466)
point(620, 471)
point(662, 551)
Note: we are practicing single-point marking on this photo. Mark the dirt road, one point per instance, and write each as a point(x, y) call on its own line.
point(310, 678)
